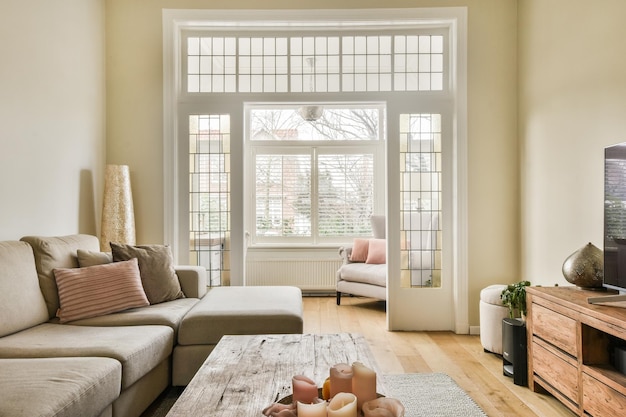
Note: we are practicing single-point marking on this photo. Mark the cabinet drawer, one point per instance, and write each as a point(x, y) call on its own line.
point(556, 371)
point(555, 328)
point(601, 400)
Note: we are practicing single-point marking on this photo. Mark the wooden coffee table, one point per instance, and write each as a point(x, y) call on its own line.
point(245, 374)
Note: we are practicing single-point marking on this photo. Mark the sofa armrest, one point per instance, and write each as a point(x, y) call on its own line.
point(345, 252)
point(192, 279)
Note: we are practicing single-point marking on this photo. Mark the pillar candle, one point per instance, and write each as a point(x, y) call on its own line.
point(304, 389)
point(342, 405)
point(389, 407)
point(363, 383)
point(340, 379)
point(312, 410)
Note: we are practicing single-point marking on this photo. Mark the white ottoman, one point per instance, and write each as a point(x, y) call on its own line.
point(491, 314)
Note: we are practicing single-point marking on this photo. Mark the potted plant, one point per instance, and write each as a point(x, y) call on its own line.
point(514, 297)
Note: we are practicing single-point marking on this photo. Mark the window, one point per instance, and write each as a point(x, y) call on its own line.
point(421, 199)
point(209, 194)
point(314, 181)
point(337, 63)
point(235, 63)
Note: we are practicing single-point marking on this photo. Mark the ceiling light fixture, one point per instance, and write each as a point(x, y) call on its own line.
point(311, 113)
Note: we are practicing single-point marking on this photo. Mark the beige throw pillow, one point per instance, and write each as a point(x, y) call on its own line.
point(91, 258)
point(98, 290)
point(156, 267)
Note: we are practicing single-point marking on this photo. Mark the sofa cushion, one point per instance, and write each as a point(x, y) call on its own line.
point(156, 266)
point(138, 348)
point(169, 314)
point(377, 251)
point(92, 258)
point(359, 250)
point(375, 274)
point(59, 387)
point(98, 290)
point(21, 303)
point(57, 252)
point(242, 310)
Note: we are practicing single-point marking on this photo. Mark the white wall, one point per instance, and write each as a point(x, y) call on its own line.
point(572, 105)
point(51, 116)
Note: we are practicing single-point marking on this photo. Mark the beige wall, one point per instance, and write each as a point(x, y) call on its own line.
point(134, 119)
point(51, 116)
point(572, 104)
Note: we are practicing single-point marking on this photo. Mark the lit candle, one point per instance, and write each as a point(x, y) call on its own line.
point(383, 407)
point(340, 379)
point(312, 410)
point(304, 389)
point(363, 383)
point(342, 405)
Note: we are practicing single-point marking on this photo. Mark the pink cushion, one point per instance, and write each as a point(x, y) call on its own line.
point(359, 250)
point(376, 252)
point(98, 290)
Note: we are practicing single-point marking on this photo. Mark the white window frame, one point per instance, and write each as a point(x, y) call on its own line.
point(314, 147)
point(455, 18)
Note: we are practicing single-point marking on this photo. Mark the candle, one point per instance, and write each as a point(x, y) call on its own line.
point(312, 410)
point(340, 379)
point(304, 389)
point(388, 407)
point(363, 383)
point(342, 405)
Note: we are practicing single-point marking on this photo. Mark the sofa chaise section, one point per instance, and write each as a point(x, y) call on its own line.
point(233, 311)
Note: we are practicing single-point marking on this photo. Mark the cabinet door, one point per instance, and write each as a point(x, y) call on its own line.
point(601, 400)
point(555, 329)
point(554, 369)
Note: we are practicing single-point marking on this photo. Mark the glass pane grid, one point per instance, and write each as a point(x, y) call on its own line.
point(421, 192)
point(418, 63)
point(315, 64)
point(209, 195)
point(345, 194)
point(283, 195)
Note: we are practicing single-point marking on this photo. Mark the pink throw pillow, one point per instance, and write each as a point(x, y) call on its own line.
point(377, 251)
point(98, 290)
point(359, 250)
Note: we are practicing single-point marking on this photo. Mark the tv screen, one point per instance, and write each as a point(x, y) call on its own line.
point(615, 216)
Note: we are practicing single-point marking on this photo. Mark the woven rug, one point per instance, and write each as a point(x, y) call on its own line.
point(431, 395)
point(427, 395)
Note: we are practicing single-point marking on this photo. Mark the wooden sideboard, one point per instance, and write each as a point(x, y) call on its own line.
point(569, 349)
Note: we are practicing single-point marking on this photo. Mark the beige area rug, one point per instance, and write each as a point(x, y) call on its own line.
point(431, 395)
point(427, 395)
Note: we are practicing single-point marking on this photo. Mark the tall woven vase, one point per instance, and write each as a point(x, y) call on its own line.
point(118, 217)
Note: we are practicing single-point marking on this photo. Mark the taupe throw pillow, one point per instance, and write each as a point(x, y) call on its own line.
point(92, 258)
point(156, 267)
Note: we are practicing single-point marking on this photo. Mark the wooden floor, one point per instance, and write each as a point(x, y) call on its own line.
point(460, 356)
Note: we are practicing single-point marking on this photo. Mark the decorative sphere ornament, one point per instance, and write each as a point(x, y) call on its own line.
point(585, 268)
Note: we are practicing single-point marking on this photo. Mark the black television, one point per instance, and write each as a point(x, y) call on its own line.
point(614, 223)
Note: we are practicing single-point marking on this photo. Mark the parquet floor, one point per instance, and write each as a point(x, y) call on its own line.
point(460, 356)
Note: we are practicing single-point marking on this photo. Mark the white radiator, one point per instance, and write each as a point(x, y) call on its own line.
point(307, 274)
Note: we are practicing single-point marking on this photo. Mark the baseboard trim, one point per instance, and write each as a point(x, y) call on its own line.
point(475, 330)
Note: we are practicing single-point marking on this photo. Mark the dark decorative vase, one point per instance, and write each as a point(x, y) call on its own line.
point(585, 268)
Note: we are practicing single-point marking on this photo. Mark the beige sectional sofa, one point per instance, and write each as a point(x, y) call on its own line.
point(114, 364)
